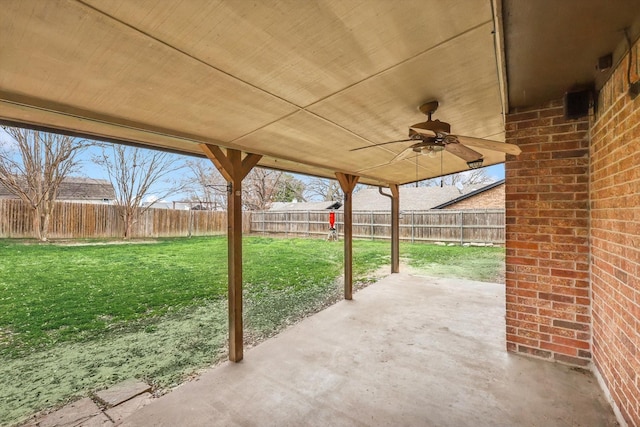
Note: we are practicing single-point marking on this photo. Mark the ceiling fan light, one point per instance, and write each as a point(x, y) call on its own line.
point(475, 164)
point(429, 149)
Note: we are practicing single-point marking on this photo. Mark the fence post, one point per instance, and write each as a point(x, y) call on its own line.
point(461, 228)
point(412, 228)
point(145, 230)
point(371, 225)
point(308, 223)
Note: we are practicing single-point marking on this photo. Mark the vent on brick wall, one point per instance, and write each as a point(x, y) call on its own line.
point(576, 104)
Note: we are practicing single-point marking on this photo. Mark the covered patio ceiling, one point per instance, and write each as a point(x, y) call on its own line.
point(300, 83)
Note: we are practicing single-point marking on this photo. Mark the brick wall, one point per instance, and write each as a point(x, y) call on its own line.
point(615, 242)
point(547, 272)
point(490, 199)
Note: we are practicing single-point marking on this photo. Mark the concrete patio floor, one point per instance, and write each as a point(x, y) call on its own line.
point(407, 351)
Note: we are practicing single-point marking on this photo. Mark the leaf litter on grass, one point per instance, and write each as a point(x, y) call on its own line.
point(162, 353)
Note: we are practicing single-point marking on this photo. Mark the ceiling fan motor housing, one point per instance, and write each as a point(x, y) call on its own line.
point(435, 126)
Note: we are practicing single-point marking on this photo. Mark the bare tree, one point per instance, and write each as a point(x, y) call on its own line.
point(33, 166)
point(134, 173)
point(205, 185)
point(326, 189)
point(470, 177)
point(259, 188)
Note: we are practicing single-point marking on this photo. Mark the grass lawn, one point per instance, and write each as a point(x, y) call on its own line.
point(79, 318)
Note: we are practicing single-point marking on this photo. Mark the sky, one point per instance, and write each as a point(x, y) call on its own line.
point(91, 170)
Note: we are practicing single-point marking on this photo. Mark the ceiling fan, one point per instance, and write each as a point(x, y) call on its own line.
point(434, 136)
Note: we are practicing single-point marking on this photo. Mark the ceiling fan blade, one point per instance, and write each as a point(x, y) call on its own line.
point(406, 153)
point(383, 143)
point(465, 153)
point(424, 132)
point(503, 147)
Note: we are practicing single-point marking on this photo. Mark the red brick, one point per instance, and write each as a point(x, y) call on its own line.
point(552, 330)
point(570, 342)
point(525, 124)
point(523, 261)
point(572, 360)
point(584, 354)
point(561, 128)
point(607, 301)
point(569, 273)
point(570, 154)
point(557, 348)
point(523, 116)
point(573, 291)
point(552, 112)
point(522, 340)
point(522, 245)
point(533, 351)
point(582, 318)
point(583, 301)
point(552, 314)
point(555, 297)
point(550, 210)
point(520, 324)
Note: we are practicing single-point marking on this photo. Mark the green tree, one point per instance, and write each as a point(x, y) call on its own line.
point(288, 189)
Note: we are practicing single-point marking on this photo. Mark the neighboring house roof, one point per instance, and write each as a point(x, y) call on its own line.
point(470, 194)
point(76, 189)
point(416, 198)
point(411, 198)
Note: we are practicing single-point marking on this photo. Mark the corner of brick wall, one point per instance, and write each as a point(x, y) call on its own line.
point(615, 240)
point(547, 242)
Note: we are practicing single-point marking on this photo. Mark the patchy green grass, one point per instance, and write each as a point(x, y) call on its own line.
point(52, 294)
point(79, 318)
point(485, 264)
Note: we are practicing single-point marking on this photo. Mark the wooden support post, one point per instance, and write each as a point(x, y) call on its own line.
point(233, 168)
point(395, 228)
point(348, 183)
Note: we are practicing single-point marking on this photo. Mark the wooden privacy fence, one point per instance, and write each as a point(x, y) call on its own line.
point(84, 220)
point(457, 226)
